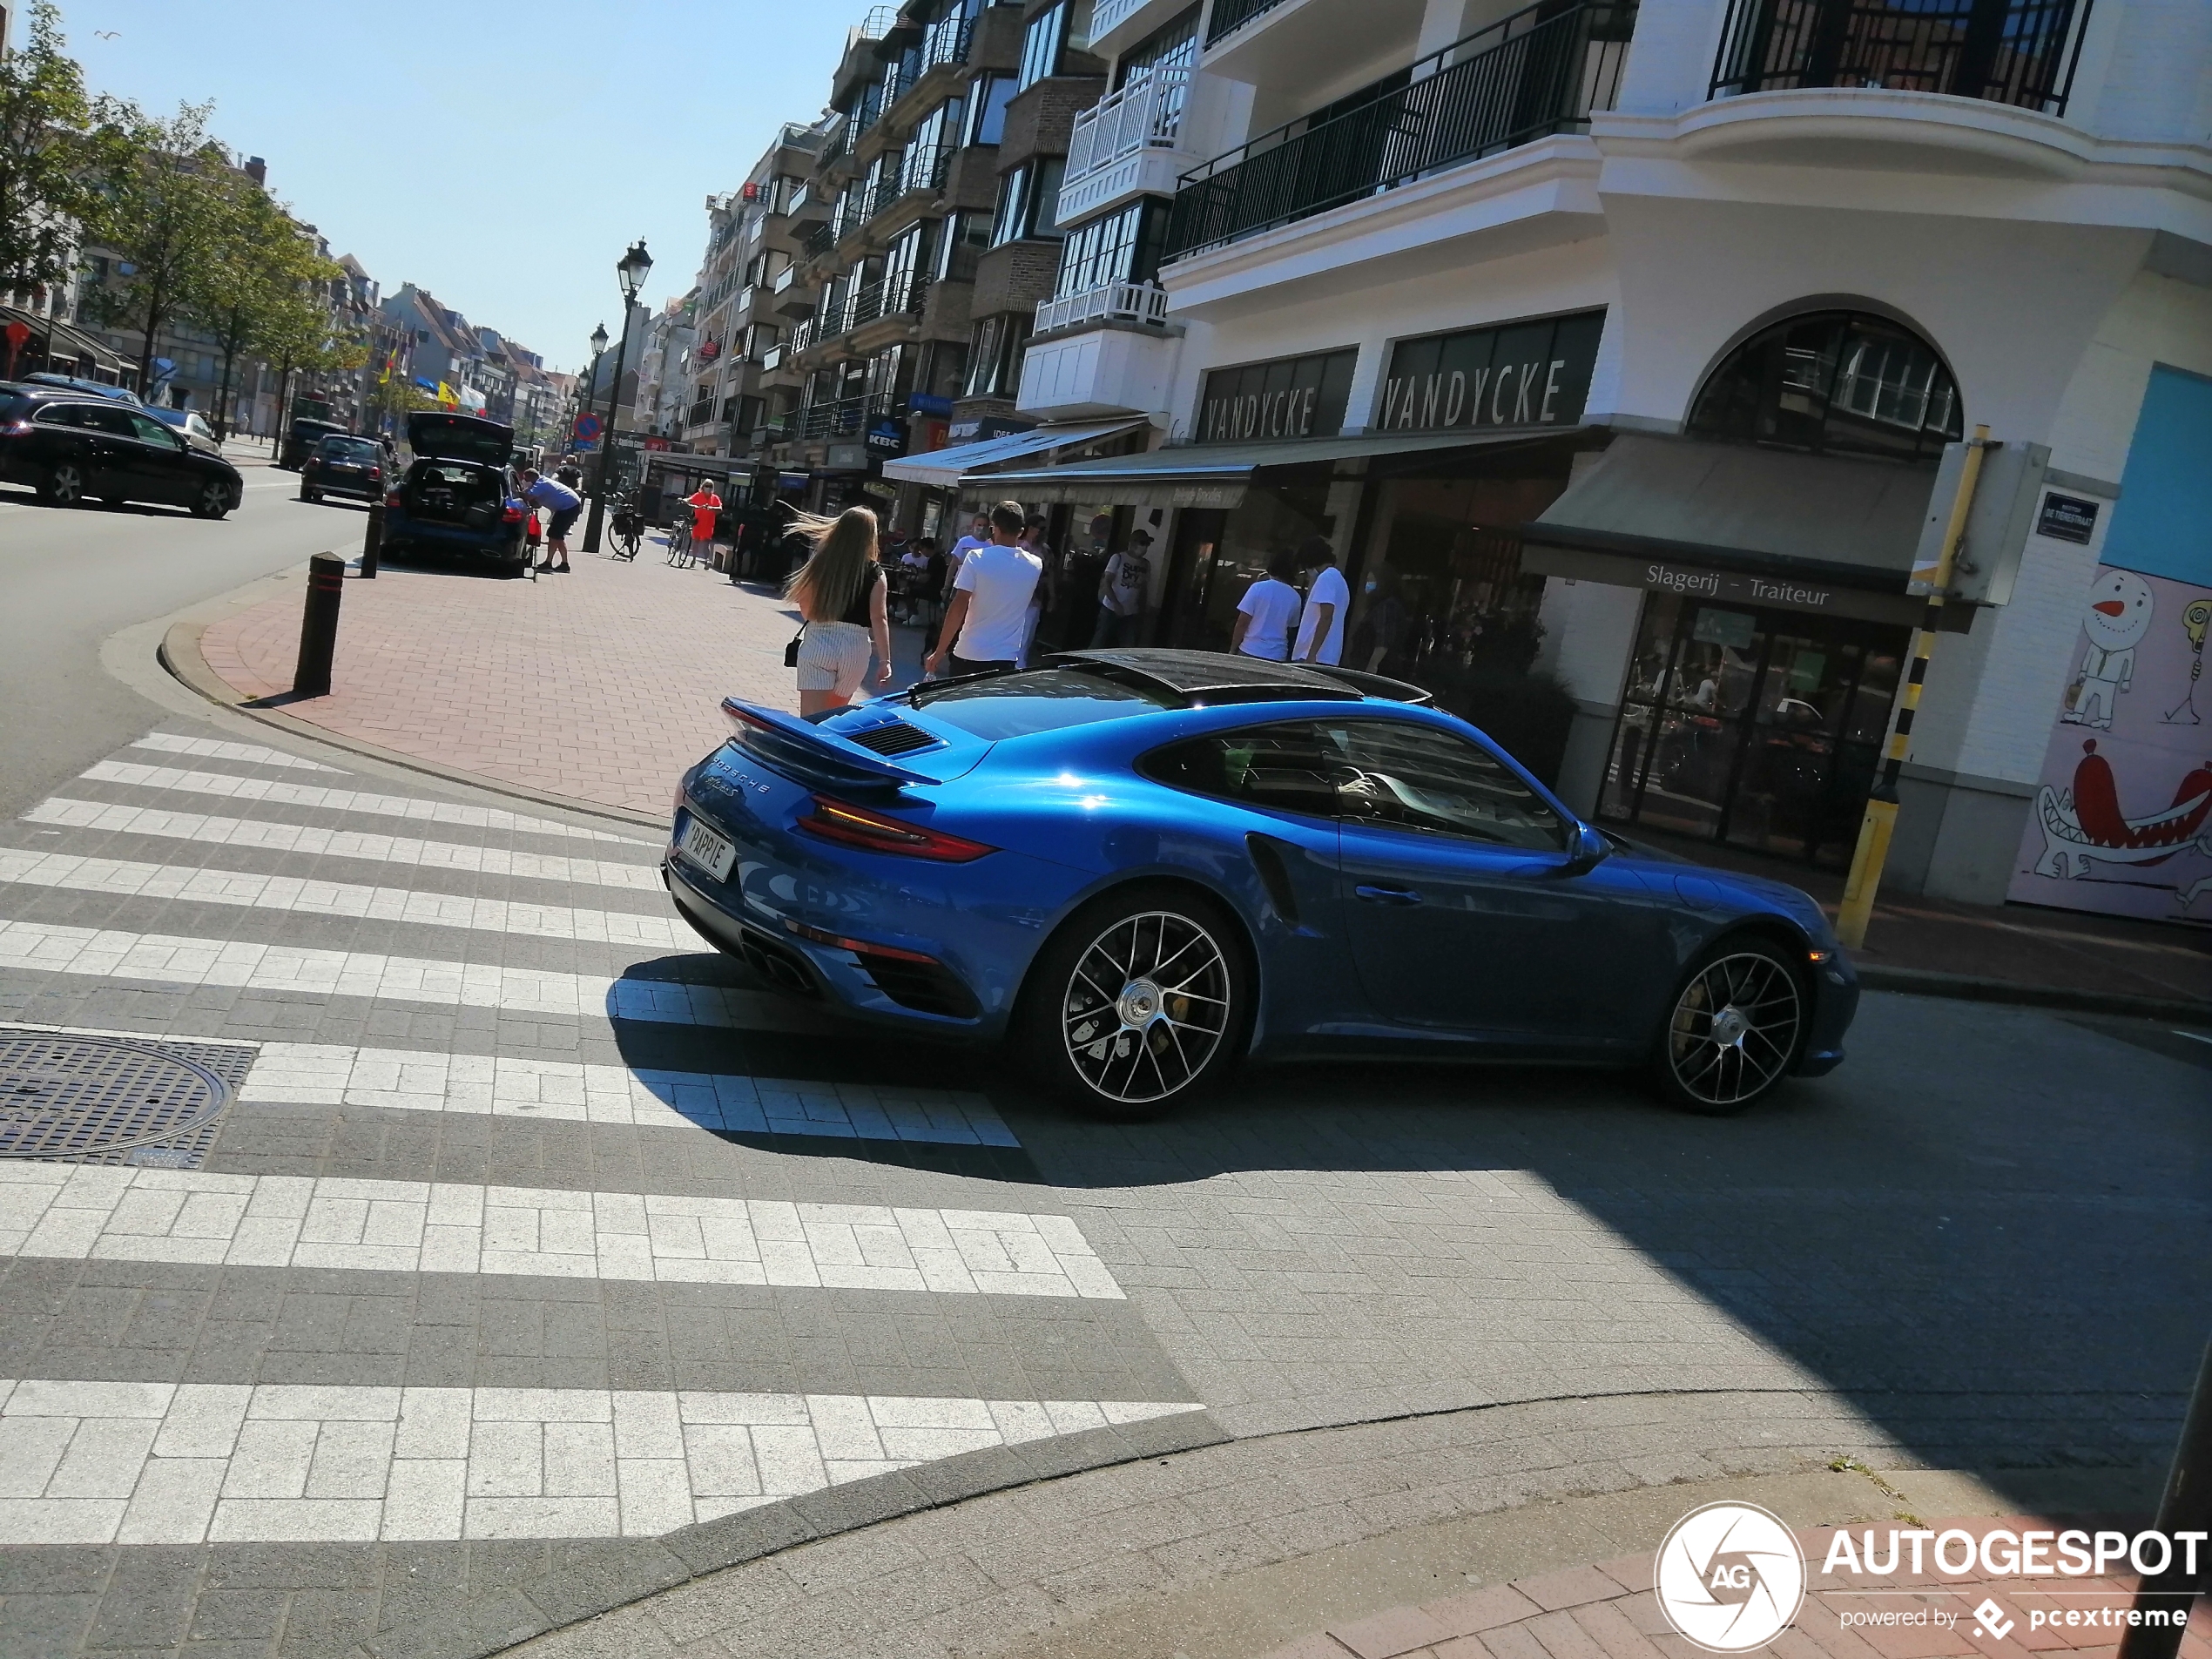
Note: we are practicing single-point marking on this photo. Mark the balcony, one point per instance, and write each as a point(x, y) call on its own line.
point(1128, 144)
point(921, 170)
point(818, 240)
point(1230, 16)
point(1098, 371)
point(808, 200)
point(1538, 72)
point(700, 414)
point(794, 293)
point(2019, 52)
point(847, 417)
point(1142, 303)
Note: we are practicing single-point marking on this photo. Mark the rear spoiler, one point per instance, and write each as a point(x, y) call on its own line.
point(806, 754)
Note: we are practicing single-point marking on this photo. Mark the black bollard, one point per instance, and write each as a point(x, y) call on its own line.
point(373, 539)
point(318, 626)
point(2186, 1509)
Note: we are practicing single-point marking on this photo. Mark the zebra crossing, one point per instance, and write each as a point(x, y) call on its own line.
point(524, 1215)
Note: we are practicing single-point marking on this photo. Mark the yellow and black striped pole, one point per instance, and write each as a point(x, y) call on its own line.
point(1874, 830)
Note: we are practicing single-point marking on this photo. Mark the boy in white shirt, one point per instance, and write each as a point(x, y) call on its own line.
point(1320, 633)
point(990, 609)
point(1268, 612)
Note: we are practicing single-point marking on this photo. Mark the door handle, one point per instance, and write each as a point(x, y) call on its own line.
point(1388, 895)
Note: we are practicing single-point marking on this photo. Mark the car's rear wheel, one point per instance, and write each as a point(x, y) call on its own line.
point(1735, 1029)
point(1139, 1001)
point(307, 494)
point(213, 500)
point(64, 485)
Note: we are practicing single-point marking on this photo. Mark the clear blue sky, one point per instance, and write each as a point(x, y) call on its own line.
point(501, 154)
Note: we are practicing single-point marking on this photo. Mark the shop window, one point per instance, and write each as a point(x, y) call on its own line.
point(987, 122)
point(1833, 382)
point(1051, 35)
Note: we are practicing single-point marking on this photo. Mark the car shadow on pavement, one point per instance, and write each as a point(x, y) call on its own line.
point(1985, 1229)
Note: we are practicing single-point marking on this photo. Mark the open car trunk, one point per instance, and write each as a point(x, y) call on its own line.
point(456, 492)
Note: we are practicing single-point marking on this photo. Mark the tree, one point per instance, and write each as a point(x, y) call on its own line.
point(165, 217)
point(243, 294)
point(298, 338)
point(62, 151)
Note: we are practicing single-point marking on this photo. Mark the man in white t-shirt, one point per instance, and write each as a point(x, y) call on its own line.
point(990, 608)
point(1320, 631)
point(979, 534)
point(1268, 612)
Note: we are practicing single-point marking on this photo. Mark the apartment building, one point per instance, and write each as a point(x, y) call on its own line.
point(1637, 340)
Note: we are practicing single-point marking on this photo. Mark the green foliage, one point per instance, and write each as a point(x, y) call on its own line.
point(166, 215)
point(248, 289)
point(62, 153)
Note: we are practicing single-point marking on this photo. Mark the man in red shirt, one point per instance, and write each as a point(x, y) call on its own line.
point(704, 504)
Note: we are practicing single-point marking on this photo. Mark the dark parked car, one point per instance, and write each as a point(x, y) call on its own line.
point(300, 439)
point(455, 497)
point(68, 447)
point(78, 383)
point(341, 466)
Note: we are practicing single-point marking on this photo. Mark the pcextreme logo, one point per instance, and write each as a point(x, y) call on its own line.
point(1729, 1577)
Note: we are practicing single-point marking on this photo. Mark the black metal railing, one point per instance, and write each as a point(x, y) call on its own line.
point(2022, 52)
point(819, 238)
point(700, 414)
point(1540, 71)
point(1230, 16)
point(947, 42)
point(844, 417)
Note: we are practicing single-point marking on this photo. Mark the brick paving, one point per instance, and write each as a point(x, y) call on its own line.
point(601, 686)
point(1610, 1611)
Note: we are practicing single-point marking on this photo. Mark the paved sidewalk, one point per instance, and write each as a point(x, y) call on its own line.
point(600, 687)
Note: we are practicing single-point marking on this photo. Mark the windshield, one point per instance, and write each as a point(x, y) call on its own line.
point(349, 449)
point(1013, 706)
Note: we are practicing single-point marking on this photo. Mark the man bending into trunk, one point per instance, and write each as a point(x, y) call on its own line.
point(564, 504)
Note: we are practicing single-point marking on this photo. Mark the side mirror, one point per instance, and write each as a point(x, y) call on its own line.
point(1590, 849)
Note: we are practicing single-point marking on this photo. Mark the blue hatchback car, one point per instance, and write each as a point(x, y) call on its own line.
point(1139, 866)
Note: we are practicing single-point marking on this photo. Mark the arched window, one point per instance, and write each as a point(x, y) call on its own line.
point(1835, 383)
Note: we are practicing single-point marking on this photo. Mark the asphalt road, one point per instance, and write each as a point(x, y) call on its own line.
point(70, 578)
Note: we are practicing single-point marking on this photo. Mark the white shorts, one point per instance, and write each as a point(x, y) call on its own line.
point(833, 658)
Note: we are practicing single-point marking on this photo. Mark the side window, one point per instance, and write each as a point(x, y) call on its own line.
point(149, 430)
point(1289, 767)
point(1416, 778)
point(59, 414)
point(116, 422)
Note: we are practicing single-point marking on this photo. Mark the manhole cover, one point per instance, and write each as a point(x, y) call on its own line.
point(74, 1097)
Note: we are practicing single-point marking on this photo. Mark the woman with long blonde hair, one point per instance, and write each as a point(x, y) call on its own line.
point(840, 592)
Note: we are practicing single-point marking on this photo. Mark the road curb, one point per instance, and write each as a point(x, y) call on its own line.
point(180, 653)
point(1968, 987)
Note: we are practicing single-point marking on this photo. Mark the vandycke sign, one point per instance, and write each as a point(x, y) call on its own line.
point(1291, 397)
point(1513, 374)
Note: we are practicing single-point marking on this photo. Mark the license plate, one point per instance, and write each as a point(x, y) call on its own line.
point(716, 855)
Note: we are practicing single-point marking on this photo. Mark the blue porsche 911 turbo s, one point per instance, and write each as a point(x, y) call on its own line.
point(1139, 866)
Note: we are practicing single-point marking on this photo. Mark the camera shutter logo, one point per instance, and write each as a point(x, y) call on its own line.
point(1730, 1577)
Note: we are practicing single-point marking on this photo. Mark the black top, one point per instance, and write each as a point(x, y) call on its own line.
point(857, 612)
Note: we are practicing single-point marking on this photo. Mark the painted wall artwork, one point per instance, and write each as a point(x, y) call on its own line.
point(2123, 821)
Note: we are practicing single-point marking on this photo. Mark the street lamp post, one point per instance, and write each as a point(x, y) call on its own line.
point(598, 344)
point(631, 272)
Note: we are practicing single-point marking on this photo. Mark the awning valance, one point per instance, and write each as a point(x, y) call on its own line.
point(1739, 523)
point(1216, 474)
point(944, 468)
point(71, 346)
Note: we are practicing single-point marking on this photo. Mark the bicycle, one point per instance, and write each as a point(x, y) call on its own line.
point(626, 531)
point(680, 551)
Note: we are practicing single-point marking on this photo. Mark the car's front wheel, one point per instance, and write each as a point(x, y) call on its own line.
point(64, 485)
point(1139, 1001)
point(1735, 1029)
point(213, 500)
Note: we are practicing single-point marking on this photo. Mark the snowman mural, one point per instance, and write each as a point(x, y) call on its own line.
point(2115, 620)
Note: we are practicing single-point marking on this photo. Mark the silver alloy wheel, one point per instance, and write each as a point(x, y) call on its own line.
point(1146, 1008)
point(65, 485)
point(1734, 1028)
point(215, 500)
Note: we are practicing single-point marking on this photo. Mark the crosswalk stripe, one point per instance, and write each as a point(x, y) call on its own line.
point(345, 800)
point(217, 749)
point(207, 830)
point(191, 884)
point(487, 1085)
point(81, 1212)
point(47, 948)
point(191, 1463)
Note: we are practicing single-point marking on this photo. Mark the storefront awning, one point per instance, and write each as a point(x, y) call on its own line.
point(1726, 521)
point(1216, 474)
point(944, 468)
point(70, 346)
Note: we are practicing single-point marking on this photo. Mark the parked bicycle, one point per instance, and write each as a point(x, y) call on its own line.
point(626, 531)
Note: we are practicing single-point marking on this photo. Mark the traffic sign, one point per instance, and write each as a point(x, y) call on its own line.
point(587, 427)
